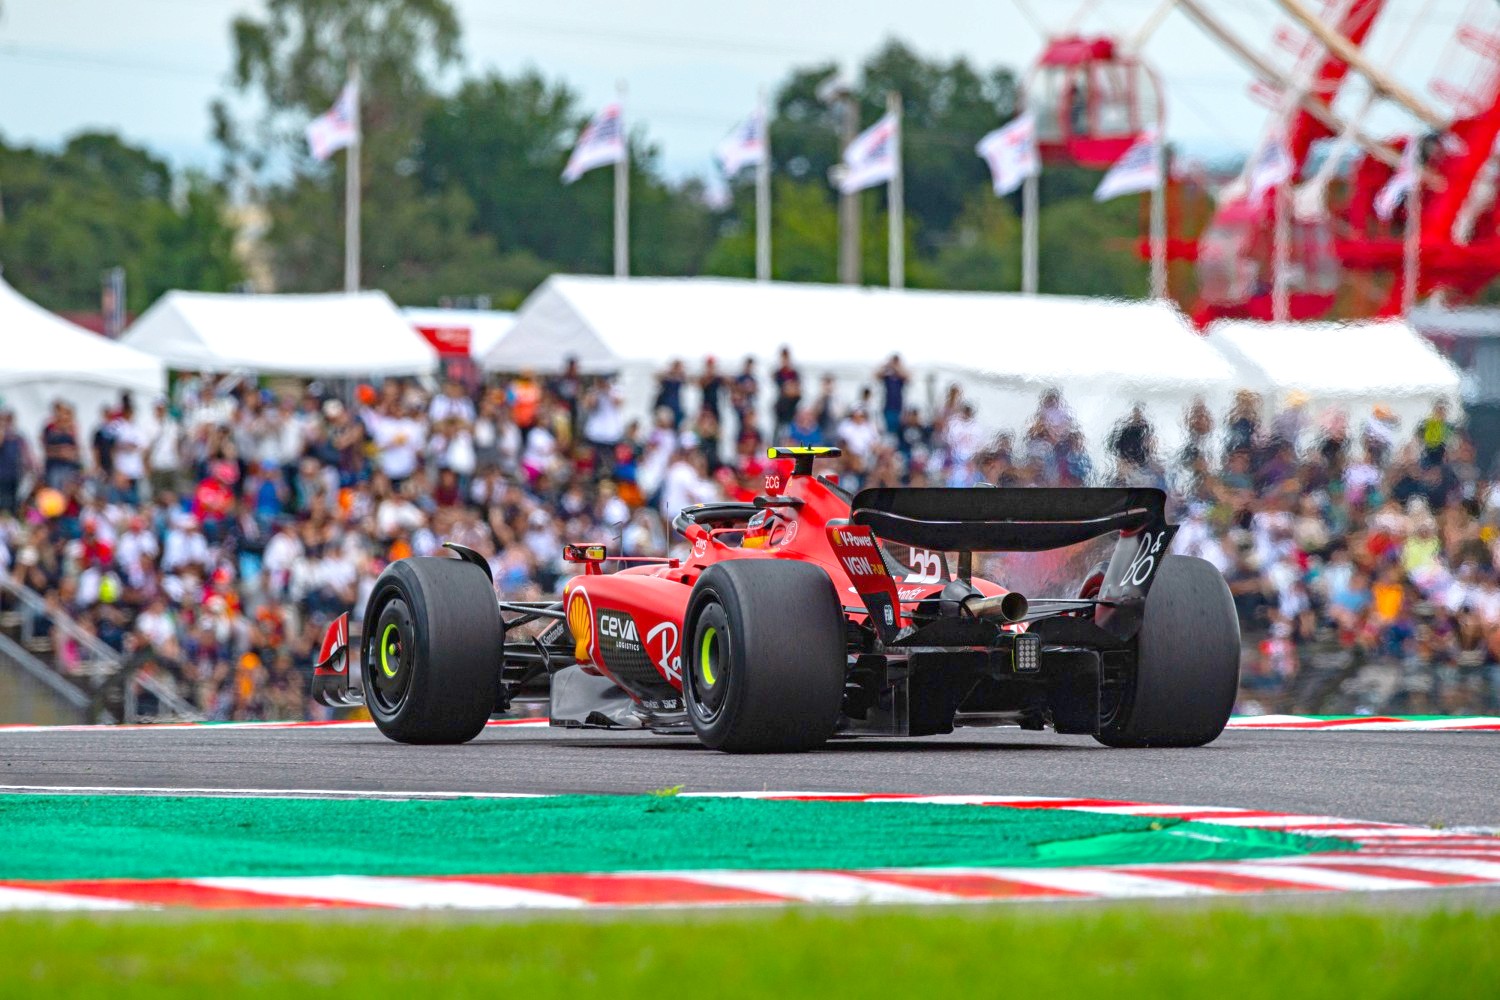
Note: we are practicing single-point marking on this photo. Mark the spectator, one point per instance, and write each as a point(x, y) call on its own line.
point(686, 483)
point(788, 400)
point(893, 378)
point(1435, 433)
point(669, 385)
point(15, 462)
point(62, 460)
point(711, 388)
point(788, 391)
point(1132, 441)
point(745, 397)
point(857, 435)
point(1370, 546)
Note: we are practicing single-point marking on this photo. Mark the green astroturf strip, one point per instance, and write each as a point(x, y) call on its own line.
point(65, 836)
point(1116, 953)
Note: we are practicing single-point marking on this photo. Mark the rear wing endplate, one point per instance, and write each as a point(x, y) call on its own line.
point(858, 552)
point(1028, 519)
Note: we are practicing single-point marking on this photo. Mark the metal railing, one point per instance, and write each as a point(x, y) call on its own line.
point(47, 697)
point(45, 632)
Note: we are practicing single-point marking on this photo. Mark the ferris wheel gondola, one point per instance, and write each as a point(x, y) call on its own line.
point(1091, 98)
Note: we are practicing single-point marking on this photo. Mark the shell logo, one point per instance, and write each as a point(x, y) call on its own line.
point(581, 624)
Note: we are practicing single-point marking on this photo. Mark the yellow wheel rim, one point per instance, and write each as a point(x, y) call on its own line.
point(705, 660)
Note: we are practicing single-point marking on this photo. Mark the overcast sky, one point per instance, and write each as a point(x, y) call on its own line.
point(148, 68)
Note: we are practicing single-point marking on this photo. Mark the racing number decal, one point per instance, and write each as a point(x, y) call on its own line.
point(926, 566)
point(1144, 564)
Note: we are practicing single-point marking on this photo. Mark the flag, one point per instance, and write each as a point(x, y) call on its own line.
point(338, 127)
point(601, 142)
point(1011, 153)
point(1402, 181)
point(1139, 169)
point(745, 146)
point(871, 157)
point(1272, 167)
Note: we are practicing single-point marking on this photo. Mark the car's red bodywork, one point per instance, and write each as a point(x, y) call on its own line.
point(621, 619)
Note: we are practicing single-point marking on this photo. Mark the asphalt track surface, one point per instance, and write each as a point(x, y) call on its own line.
point(1410, 777)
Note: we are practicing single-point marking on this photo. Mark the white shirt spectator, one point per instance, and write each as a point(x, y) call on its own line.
point(858, 436)
point(541, 450)
point(129, 453)
point(165, 445)
point(282, 551)
point(157, 625)
point(397, 514)
point(398, 440)
point(964, 437)
point(444, 406)
point(683, 487)
point(131, 547)
point(458, 453)
point(185, 546)
point(605, 422)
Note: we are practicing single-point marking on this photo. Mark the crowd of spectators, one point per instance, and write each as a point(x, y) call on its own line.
point(209, 536)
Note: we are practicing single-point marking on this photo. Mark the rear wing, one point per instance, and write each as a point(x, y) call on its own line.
point(1028, 519)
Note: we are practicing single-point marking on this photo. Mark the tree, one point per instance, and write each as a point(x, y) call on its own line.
point(983, 249)
point(504, 141)
point(804, 237)
point(291, 63)
point(946, 107)
point(100, 203)
point(1089, 248)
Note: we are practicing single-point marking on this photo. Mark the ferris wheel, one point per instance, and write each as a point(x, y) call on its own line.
point(1328, 235)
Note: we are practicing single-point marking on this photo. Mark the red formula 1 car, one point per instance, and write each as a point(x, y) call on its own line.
point(811, 613)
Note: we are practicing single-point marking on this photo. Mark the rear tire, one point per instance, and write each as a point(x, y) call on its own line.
point(432, 648)
point(1187, 670)
point(764, 668)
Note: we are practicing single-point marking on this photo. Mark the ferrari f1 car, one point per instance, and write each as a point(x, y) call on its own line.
point(792, 620)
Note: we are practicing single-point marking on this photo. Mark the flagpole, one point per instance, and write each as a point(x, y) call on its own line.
point(1281, 253)
point(1029, 234)
point(352, 190)
point(622, 196)
point(896, 198)
point(1411, 251)
point(763, 198)
point(1159, 222)
point(850, 269)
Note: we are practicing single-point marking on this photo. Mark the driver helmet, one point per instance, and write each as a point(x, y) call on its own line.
point(758, 530)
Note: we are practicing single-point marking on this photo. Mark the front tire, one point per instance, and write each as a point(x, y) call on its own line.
point(432, 648)
point(764, 668)
point(1187, 670)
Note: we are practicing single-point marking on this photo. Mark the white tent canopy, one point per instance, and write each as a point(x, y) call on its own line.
point(47, 358)
point(1002, 349)
point(362, 335)
point(1353, 367)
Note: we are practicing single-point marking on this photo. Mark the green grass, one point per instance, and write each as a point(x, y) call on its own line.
point(1024, 952)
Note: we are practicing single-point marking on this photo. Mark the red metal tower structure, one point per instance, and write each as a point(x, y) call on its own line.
point(1458, 249)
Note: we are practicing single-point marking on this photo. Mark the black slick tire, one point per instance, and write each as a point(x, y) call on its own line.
point(1182, 688)
point(766, 658)
point(432, 648)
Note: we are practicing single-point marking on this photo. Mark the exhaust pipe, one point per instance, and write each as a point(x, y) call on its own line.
point(1009, 607)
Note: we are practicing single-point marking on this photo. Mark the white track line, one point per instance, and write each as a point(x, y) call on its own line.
point(208, 727)
point(260, 793)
